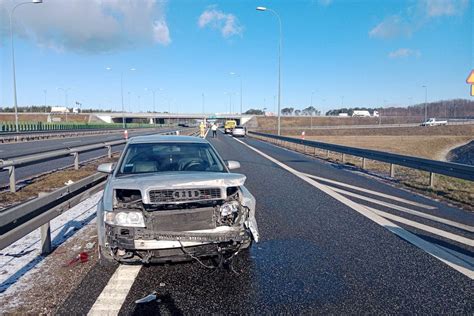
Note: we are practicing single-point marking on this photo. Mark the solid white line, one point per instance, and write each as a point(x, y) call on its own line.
point(391, 197)
point(113, 295)
point(435, 231)
point(407, 210)
point(72, 141)
point(444, 256)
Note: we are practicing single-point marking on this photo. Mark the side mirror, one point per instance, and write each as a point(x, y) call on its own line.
point(106, 168)
point(232, 164)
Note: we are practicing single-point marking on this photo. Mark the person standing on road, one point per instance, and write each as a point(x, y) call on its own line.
point(214, 130)
point(202, 129)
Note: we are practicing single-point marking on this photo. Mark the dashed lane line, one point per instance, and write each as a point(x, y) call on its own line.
point(407, 210)
point(432, 249)
point(111, 299)
point(383, 195)
point(435, 231)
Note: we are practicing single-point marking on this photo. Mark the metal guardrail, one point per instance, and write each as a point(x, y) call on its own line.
point(20, 220)
point(11, 164)
point(451, 169)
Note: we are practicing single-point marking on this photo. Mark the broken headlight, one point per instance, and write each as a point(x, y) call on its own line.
point(230, 208)
point(129, 219)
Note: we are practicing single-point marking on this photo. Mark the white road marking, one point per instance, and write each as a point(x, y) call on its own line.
point(435, 231)
point(387, 196)
point(407, 210)
point(113, 295)
point(442, 255)
point(72, 142)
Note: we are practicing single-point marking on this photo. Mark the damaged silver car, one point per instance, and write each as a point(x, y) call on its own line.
point(172, 198)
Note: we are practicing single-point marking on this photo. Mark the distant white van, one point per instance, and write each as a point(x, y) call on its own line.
point(357, 113)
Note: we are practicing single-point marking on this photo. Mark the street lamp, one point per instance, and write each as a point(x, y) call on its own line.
point(121, 93)
point(230, 101)
point(154, 91)
point(279, 64)
point(426, 102)
point(311, 109)
point(45, 92)
point(65, 98)
point(15, 103)
point(240, 77)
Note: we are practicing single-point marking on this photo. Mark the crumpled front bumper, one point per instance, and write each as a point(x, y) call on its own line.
point(135, 245)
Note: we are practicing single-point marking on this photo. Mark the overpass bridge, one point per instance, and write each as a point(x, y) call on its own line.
point(169, 118)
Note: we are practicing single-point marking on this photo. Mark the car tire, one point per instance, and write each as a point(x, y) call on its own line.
point(105, 258)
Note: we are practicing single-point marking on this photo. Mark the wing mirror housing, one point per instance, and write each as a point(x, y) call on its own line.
point(106, 168)
point(232, 164)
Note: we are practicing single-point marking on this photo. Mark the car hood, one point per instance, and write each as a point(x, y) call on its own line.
point(174, 180)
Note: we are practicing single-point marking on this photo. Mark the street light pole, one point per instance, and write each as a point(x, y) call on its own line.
point(15, 102)
point(240, 77)
point(311, 109)
point(45, 92)
point(203, 103)
point(426, 102)
point(279, 63)
point(121, 93)
point(65, 99)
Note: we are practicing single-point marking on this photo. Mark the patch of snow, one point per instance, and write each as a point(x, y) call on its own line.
point(23, 256)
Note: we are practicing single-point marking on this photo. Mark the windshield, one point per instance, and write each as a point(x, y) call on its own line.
point(169, 157)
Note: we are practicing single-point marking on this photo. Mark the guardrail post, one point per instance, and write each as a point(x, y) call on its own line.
point(11, 174)
point(76, 161)
point(363, 163)
point(343, 158)
point(392, 170)
point(45, 239)
point(109, 151)
point(327, 153)
point(432, 180)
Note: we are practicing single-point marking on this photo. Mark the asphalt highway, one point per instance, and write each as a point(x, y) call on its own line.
point(320, 251)
point(28, 148)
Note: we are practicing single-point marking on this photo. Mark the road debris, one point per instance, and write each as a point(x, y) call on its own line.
point(69, 182)
point(90, 245)
point(81, 257)
point(149, 298)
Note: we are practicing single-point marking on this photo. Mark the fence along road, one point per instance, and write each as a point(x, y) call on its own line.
point(49, 160)
point(451, 169)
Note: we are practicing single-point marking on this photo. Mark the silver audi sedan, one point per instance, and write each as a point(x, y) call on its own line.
point(173, 198)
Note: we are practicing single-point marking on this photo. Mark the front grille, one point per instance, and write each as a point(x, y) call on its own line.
point(184, 195)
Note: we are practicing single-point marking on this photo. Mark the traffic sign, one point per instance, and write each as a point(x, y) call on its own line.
point(470, 80)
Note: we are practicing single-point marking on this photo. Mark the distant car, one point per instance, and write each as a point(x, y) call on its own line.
point(433, 122)
point(239, 131)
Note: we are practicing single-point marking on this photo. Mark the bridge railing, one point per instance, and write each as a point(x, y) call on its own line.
point(450, 169)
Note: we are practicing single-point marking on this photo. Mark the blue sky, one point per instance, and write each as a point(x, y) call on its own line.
point(359, 53)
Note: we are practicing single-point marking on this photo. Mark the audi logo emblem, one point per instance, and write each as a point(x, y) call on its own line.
point(186, 194)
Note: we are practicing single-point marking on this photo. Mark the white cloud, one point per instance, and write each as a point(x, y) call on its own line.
point(391, 26)
point(404, 52)
point(414, 17)
point(226, 23)
point(435, 8)
point(89, 25)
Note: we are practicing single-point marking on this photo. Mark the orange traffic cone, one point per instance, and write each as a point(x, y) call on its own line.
point(302, 134)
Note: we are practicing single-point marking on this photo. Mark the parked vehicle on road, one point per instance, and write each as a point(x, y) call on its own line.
point(434, 122)
point(229, 126)
point(172, 198)
point(239, 131)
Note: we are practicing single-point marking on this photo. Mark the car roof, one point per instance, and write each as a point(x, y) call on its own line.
point(166, 139)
